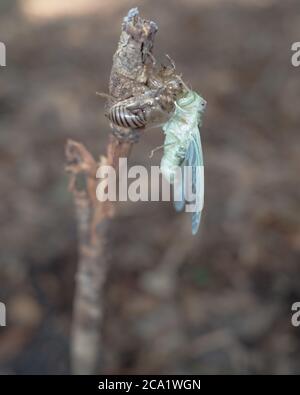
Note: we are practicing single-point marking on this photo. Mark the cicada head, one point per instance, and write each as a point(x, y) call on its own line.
point(175, 88)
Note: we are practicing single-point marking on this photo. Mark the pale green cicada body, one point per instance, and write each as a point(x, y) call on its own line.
point(182, 162)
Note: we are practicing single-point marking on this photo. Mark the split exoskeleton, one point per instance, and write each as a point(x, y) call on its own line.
point(151, 107)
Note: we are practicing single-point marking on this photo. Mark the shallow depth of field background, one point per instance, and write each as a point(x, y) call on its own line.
point(219, 302)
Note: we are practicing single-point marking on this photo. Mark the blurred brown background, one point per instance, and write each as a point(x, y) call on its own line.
point(219, 302)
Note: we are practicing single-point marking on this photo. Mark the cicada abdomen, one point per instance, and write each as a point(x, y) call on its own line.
point(120, 115)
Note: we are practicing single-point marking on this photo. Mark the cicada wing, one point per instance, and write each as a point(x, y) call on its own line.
point(178, 190)
point(181, 180)
point(195, 160)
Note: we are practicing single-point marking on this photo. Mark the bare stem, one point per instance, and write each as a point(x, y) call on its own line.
point(93, 217)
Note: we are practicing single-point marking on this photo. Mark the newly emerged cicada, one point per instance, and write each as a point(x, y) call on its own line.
point(183, 151)
point(169, 102)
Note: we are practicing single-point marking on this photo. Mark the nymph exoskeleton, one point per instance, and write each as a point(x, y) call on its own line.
point(151, 107)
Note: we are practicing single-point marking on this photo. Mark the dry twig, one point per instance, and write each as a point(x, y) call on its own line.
point(129, 73)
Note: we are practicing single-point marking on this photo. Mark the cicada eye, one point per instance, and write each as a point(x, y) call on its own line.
point(175, 86)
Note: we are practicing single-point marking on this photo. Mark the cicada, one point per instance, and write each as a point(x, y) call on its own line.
point(167, 101)
point(182, 148)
